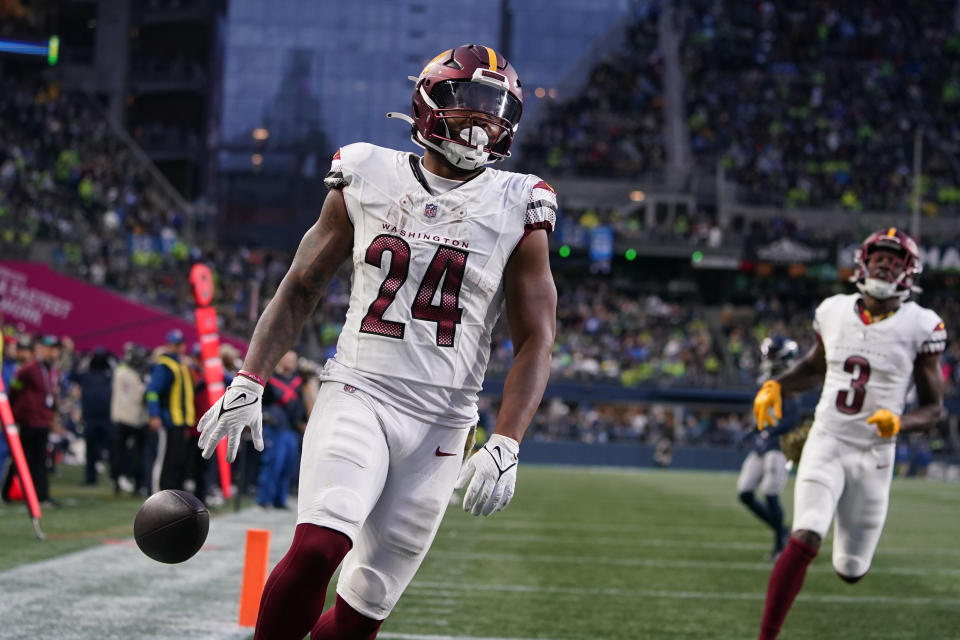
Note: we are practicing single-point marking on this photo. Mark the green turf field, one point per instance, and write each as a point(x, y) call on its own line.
point(603, 554)
point(86, 516)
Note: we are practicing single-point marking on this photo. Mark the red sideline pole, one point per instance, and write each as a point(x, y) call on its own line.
point(201, 280)
point(16, 450)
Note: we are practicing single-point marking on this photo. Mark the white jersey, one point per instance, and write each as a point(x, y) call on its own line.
point(427, 284)
point(869, 366)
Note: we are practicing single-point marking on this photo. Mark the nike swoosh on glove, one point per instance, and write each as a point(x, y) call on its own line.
point(768, 397)
point(490, 476)
point(886, 421)
point(239, 407)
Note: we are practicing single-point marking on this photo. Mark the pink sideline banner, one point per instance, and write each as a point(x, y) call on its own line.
point(42, 300)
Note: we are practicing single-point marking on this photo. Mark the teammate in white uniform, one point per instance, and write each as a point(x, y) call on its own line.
point(871, 347)
point(439, 245)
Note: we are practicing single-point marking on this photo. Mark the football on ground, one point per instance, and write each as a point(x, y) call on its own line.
point(171, 526)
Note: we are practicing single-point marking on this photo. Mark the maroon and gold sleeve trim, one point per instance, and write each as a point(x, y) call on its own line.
point(937, 341)
point(541, 210)
point(335, 178)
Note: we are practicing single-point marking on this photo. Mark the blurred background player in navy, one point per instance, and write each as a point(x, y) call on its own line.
point(283, 415)
point(94, 376)
point(171, 408)
point(765, 466)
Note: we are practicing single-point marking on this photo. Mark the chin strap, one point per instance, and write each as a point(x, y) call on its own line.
point(456, 159)
point(882, 290)
point(401, 116)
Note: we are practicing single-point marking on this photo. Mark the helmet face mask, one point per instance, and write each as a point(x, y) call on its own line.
point(467, 104)
point(887, 264)
point(777, 355)
point(461, 106)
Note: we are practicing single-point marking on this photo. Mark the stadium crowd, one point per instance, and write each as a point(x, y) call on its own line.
point(804, 104)
point(614, 127)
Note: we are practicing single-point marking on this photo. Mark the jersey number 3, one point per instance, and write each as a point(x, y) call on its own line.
point(448, 264)
point(850, 400)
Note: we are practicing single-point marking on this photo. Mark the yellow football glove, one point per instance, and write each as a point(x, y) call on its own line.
point(887, 423)
point(768, 398)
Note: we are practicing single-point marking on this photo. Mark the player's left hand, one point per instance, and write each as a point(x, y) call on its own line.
point(239, 407)
point(887, 422)
point(490, 476)
point(768, 400)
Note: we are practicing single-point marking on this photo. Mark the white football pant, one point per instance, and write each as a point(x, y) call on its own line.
point(769, 472)
point(384, 479)
point(852, 481)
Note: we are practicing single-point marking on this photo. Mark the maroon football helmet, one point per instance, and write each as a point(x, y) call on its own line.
point(903, 272)
point(475, 86)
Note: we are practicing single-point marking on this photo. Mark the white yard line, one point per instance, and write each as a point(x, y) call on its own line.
point(114, 592)
point(674, 595)
point(497, 525)
point(386, 635)
point(711, 565)
point(495, 536)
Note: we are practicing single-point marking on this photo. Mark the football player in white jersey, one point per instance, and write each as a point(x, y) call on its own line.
point(440, 245)
point(870, 348)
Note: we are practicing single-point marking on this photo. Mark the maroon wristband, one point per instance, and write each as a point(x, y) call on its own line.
point(252, 376)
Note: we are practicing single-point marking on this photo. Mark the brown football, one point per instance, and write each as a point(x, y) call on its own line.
point(171, 526)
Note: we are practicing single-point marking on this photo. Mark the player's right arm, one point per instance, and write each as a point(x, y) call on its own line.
point(806, 374)
point(324, 247)
point(321, 252)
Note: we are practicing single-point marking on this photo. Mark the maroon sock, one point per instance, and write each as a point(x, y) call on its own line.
point(295, 591)
point(343, 622)
point(785, 582)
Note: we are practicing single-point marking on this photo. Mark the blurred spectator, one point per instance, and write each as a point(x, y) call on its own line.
point(95, 379)
point(9, 360)
point(172, 413)
point(283, 416)
point(33, 397)
point(128, 412)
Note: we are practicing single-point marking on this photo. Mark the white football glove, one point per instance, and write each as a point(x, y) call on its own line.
point(492, 475)
point(239, 407)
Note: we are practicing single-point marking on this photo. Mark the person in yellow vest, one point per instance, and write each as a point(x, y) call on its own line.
point(170, 405)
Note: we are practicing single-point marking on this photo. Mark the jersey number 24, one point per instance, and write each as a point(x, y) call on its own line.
point(448, 264)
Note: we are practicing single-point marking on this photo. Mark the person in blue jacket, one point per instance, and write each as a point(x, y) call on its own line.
point(283, 413)
point(172, 413)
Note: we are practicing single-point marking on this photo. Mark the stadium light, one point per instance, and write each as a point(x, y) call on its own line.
point(261, 134)
point(696, 257)
point(49, 49)
point(631, 254)
point(540, 92)
point(256, 159)
point(564, 251)
point(638, 196)
point(53, 50)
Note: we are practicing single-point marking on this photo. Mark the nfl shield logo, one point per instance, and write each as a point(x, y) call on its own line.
point(430, 211)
